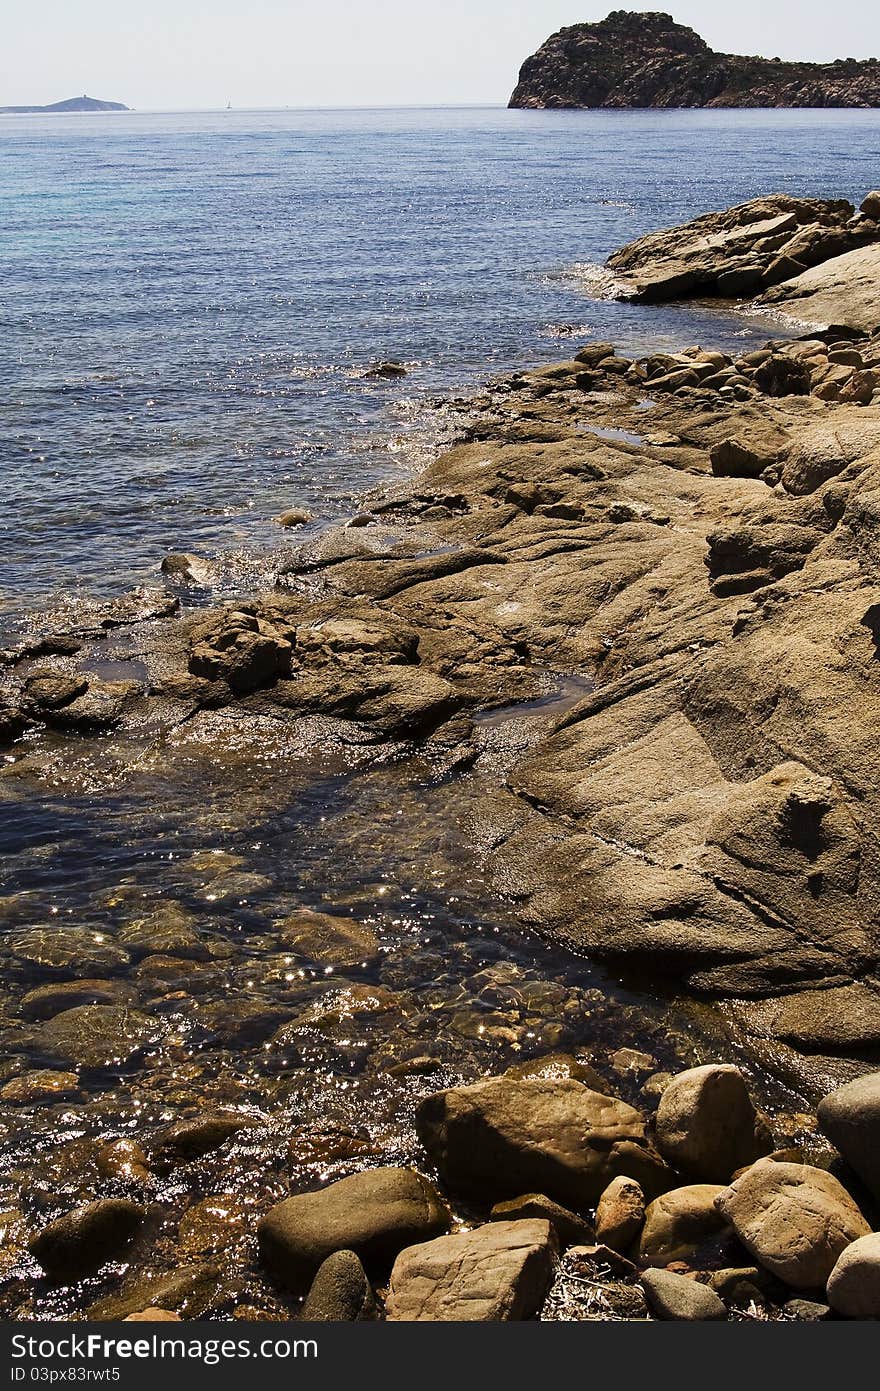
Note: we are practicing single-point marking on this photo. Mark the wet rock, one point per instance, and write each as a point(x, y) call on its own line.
point(679, 1224)
point(559, 1067)
point(571, 1229)
point(98, 1036)
point(627, 1061)
point(707, 1126)
point(191, 1292)
point(340, 1292)
point(187, 1140)
point(854, 1283)
point(50, 690)
point(293, 518)
point(67, 949)
point(498, 1272)
point(83, 1240)
point(388, 369)
point(183, 568)
point(850, 1117)
point(236, 1022)
point(153, 1316)
point(620, 1214)
point(102, 707)
point(672, 1296)
point(375, 1214)
point(169, 930)
point(501, 1137)
point(48, 1000)
point(738, 1286)
point(212, 1227)
point(34, 1088)
point(794, 1219)
point(328, 940)
point(123, 1159)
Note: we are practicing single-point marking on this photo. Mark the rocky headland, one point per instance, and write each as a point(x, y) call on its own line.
point(71, 104)
point(630, 621)
point(636, 59)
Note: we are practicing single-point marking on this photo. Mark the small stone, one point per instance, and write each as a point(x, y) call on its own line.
point(68, 949)
point(153, 1316)
point(50, 690)
point(294, 518)
point(806, 1310)
point(559, 1067)
point(674, 1296)
point(387, 369)
point(375, 1213)
point(83, 1240)
point(498, 1272)
point(854, 1283)
point(52, 999)
point(794, 1219)
point(570, 1229)
point(340, 1292)
point(707, 1126)
point(629, 1060)
point(620, 1214)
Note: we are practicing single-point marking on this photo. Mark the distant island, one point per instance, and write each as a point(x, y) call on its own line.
point(648, 60)
point(72, 104)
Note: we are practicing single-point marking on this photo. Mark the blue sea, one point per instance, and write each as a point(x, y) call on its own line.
point(189, 302)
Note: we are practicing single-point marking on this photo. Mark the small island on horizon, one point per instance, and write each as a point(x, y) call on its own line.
point(642, 60)
point(82, 103)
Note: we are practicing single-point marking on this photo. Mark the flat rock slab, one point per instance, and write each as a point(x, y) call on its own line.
point(503, 1137)
point(498, 1272)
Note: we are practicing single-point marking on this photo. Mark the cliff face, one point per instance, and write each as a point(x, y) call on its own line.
point(647, 60)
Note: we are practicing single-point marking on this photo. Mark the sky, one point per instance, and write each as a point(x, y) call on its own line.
point(179, 54)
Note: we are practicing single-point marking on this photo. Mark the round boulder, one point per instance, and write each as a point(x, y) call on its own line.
point(340, 1292)
point(83, 1240)
point(707, 1126)
point(850, 1117)
point(854, 1283)
point(620, 1214)
point(679, 1223)
point(794, 1219)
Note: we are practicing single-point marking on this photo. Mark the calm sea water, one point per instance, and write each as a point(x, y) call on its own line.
point(188, 302)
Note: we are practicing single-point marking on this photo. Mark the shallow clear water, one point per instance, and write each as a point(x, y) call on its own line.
point(187, 302)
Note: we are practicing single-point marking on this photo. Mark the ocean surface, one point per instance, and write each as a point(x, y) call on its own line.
point(189, 302)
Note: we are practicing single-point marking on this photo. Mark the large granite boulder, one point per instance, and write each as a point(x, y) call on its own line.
point(375, 1214)
point(850, 1117)
point(854, 1283)
point(843, 292)
point(706, 1125)
point(794, 1219)
point(498, 1272)
point(503, 1137)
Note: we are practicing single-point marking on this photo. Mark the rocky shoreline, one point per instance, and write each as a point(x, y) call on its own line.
point(671, 562)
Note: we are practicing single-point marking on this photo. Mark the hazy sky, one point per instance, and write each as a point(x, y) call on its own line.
point(201, 53)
